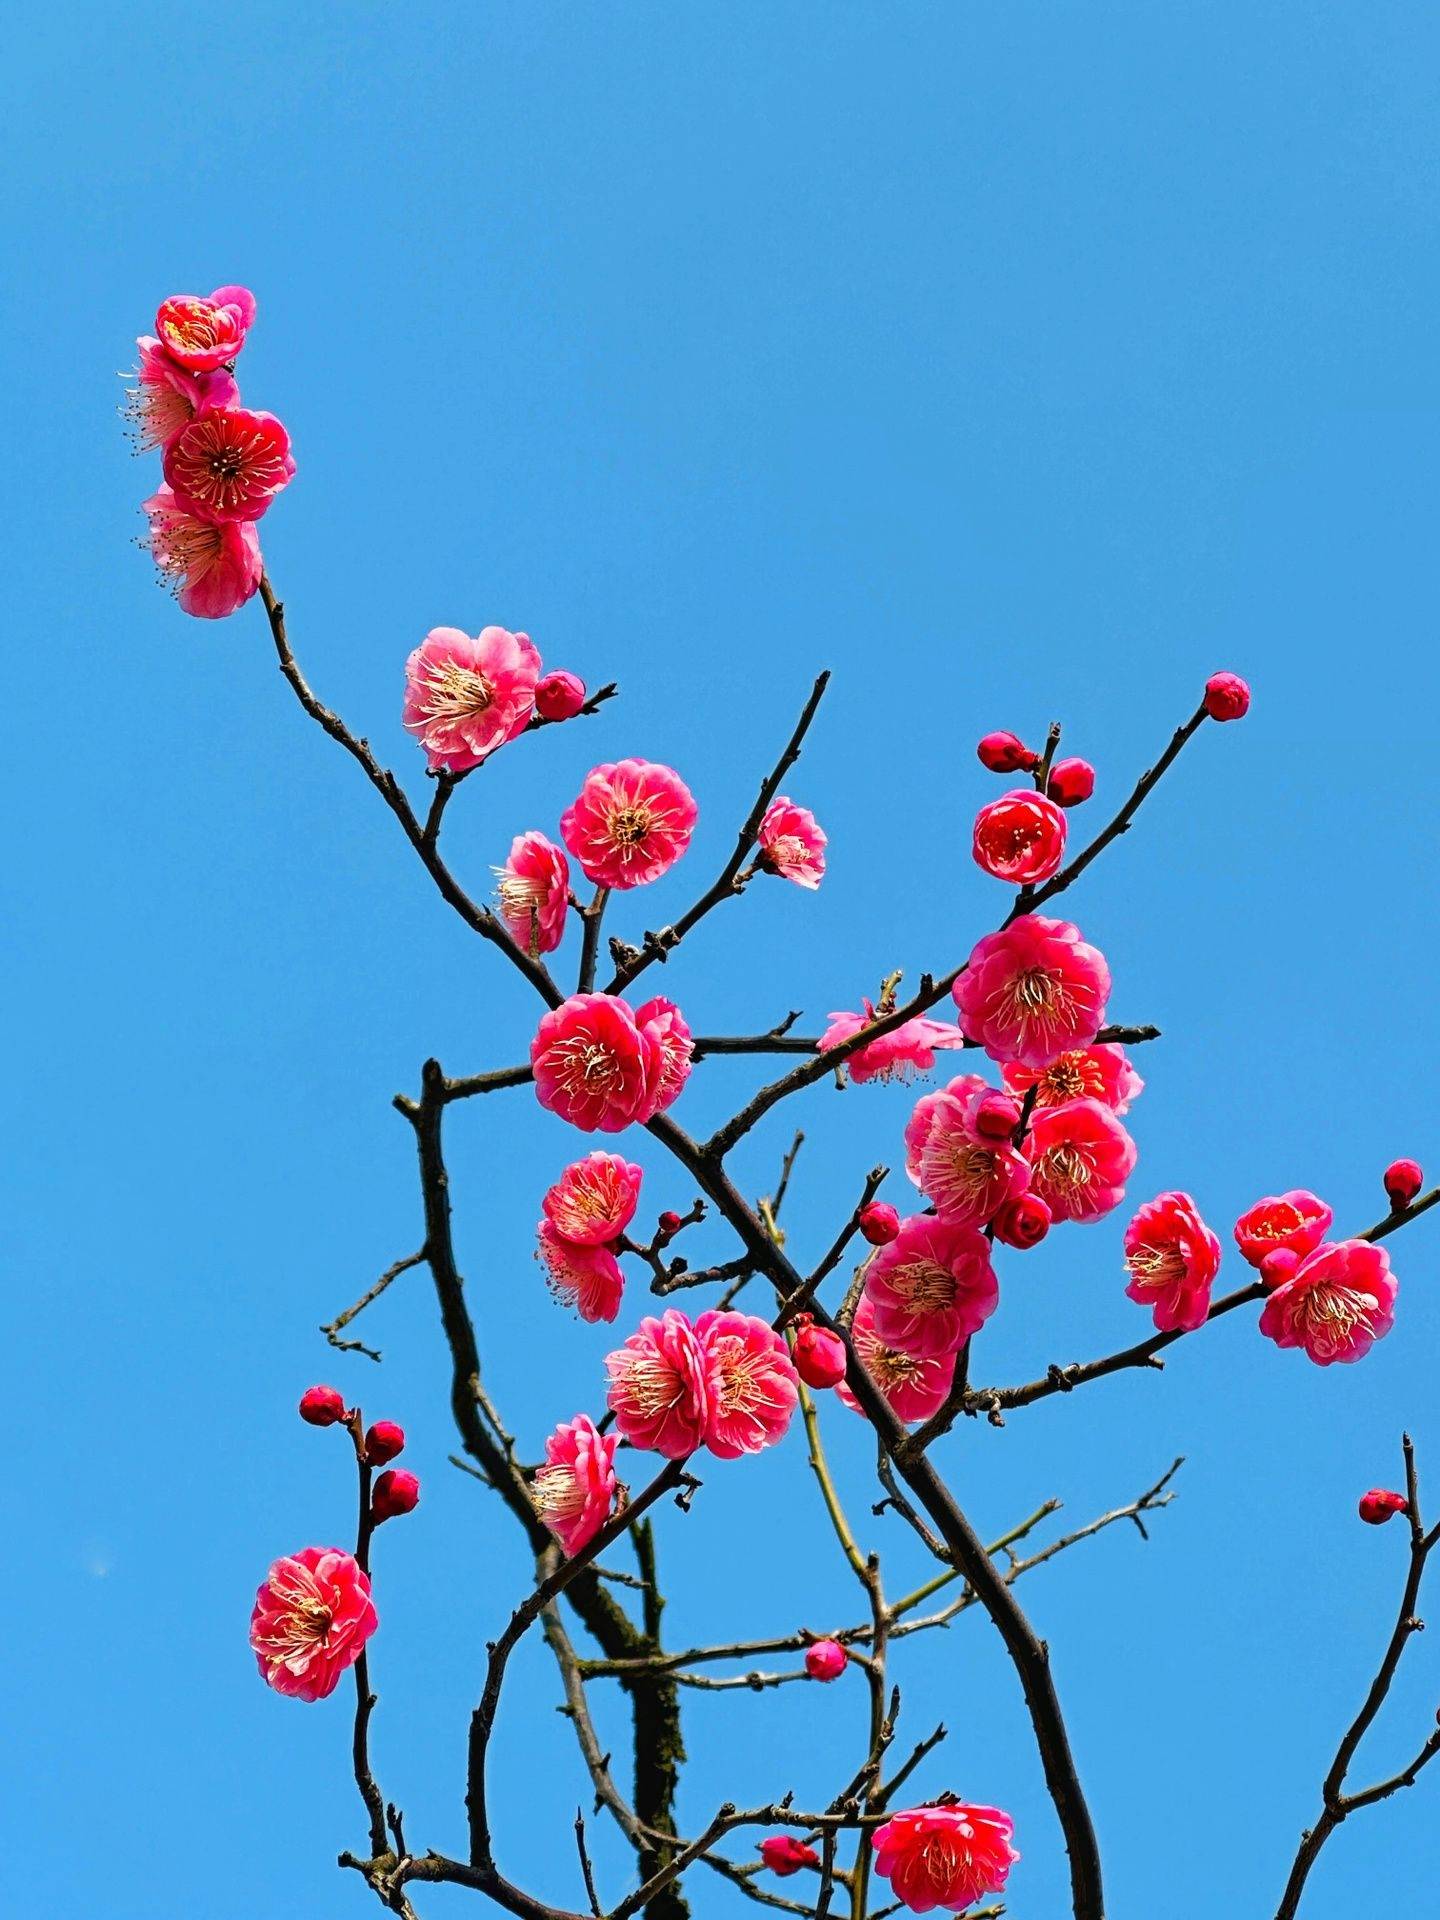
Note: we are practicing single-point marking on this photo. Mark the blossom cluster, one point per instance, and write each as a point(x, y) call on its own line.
point(222, 463)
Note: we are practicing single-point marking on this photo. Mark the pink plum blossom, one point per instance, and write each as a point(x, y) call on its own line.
point(465, 697)
point(1172, 1258)
point(662, 1022)
point(203, 334)
point(897, 1055)
point(630, 822)
point(1339, 1301)
point(825, 1660)
point(229, 463)
point(660, 1386)
point(967, 1176)
point(1080, 1159)
point(784, 1854)
point(1020, 837)
point(594, 1199)
point(312, 1617)
point(1033, 991)
point(167, 396)
point(212, 569)
point(946, 1855)
point(574, 1492)
point(932, 1286)
point(595, 1067)
point(1101, 1072)
point(587, 1278)
point(533, 889)
point(914, 1387)
point(963, 1088)
point(1295, 1222)
point(753, 1384)
point(792, 843)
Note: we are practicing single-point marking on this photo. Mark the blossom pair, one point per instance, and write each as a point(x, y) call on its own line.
point(1332, 1299)
point(726, 1383)
point(946, 1854)
point(603, 1065)
point(584, 1214)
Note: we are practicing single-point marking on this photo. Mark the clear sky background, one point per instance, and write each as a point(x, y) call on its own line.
point(1015, 362)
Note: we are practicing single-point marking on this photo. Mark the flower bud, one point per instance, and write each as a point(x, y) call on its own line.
point(819, 1354)
point(879, 1222)
point(1070, 782)
point(1226, 696)
point(1403, 1180)
point(996, 1116)
point(1277, 1267)
point(1380, 1505)
point(1006, 753)
point(322, 1406)
point(784, 1854)
point(395, 1492)
point(559, 695)
point(669, 1223)
point(383, 1442)
point(1022, 1222)
point(825, 1660)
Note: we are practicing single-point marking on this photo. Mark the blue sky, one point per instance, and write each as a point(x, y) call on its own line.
point(1015, 362)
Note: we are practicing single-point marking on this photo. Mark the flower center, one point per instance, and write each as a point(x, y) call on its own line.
point(1158, 1264)
point(557, 1492)
point(738, 1376)
point(652, 1384)
point(962, 1172)
point(195, 326)
point(925, 1286)
point(887, 1366)
point(455, 692)
point(1067, 1168)
point(1065, 1080)
point(1331, 1315)
point(629, 825)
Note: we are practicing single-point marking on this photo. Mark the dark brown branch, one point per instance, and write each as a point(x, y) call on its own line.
point(728, 882)
point(1336, 1804)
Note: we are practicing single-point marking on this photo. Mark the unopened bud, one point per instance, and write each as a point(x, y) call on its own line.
point(322, 1406)
point(395, 1492)
point(1403, 1180)
point(1006, 753)
point(559, 695)
point(825, 1660)
point(879, 1222)
point(1070, 782)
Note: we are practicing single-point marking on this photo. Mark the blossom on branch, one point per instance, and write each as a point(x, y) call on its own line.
point(1080, 1159)
point(212, 568)
point(898, 1055)
point(205, 334)
point(594, 1199)
point(229, 463)
point(932, 1287)
point(792, 843)
point(660, 1386)
point(574, 1492)
point(946, 1855)
point(753, 1385)
point(915, 1387)
point(1339, 1301)
point(167, 396)
point(1102, 1072)
point(1019, 837)
point(1294, 1222)
point(313, 1614)
point(465, 697)
point(596, 1066)
point(533, 888)
point(630, 822)
point(966, 1174)
point(585, 1277)
point(1033, 991)
point(1172, 1258)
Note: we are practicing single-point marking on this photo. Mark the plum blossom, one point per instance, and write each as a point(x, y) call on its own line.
point(212, 569)
point(1032, 991)
point(946, 1855)
point(1080, 1159)
point(229, 463)
point(660, 1386)
point(661, 1021)
point(932, 1287)
point(587, 1278)
point(595, 1067)
point(898, 1055)
point(1172, 1258)
point(533, 889)
point(630, 822)
point(825, 1660)
point(914, 1387)
point(465, 697)
point(967, 1176)
point(167, 396)
point(782, 1853)
point(753, 1386)
point(205, 334)
point(1338, 1302)
point(792, 843)
point(1295, 1222)
point(1101, 1072)
point(574, 1492)
point(964, 1087)
point(1020, 837)
point(594, 1199)
point(312, 1616)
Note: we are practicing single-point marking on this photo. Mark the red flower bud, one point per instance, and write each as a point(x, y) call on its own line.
point(1006, 753)
point(784, 1854)
point(996, 1116)
point(1022, 1222)
point(1226, 697)
point(395, 1492)
point(1403, 1180)
point(559, 695)
point(1070, 782)
point(825, 1660)
point(1277, 1267)
point(819, 1354)
point(669, 1223)
point(1380, 1505)
point(879, 1222)
point(383, 1442)
point(322, 1406)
